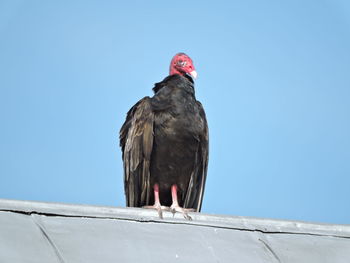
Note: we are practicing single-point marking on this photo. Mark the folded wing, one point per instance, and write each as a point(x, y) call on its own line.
point(195, 190)
point(136, 140)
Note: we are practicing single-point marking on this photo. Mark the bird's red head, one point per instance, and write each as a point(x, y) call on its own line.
point(182, 64)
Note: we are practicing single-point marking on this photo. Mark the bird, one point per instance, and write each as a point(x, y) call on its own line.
point(165, 145)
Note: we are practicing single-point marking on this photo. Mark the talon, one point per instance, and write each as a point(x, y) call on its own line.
point(159, 209)
point(160, 213)
point(188, 217)
point(175, 207)
point(184, 211)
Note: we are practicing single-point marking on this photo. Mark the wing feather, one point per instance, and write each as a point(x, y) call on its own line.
point(195, 190)
point(136, 140)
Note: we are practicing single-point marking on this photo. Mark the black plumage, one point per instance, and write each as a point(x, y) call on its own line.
point(164, 141)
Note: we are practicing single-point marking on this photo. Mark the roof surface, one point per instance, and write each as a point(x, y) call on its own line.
point(50, 232)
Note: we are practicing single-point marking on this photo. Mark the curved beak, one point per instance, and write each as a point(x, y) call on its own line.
point(194, 74)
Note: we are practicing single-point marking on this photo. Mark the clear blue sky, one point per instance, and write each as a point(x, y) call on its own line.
point(274, 78)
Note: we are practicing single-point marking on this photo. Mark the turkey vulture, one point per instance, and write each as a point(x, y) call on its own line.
point(164, 142)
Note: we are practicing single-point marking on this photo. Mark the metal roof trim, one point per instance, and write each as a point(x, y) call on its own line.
point(272, 226)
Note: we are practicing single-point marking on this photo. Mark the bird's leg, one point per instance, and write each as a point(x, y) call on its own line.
point(157, 204)
point(175, 205)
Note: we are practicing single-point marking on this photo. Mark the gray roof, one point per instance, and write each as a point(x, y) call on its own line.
point(50, 232)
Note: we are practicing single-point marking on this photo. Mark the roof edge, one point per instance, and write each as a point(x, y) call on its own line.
point(273, 226)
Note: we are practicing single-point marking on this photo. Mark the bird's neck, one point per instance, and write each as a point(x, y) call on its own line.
point(174, 71)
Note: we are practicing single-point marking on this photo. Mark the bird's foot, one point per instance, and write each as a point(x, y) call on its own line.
point(184, 211)
point(159, 208)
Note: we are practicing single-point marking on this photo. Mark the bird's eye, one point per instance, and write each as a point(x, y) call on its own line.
point(181, 63)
